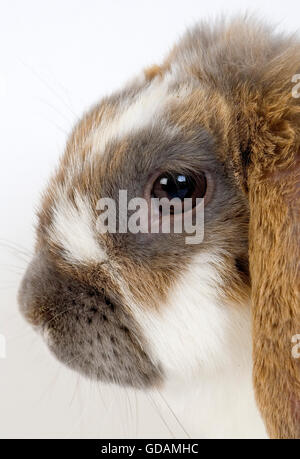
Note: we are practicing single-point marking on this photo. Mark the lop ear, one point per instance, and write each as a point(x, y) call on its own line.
point(269, 172)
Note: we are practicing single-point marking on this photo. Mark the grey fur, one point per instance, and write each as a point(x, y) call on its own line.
point(86, 330)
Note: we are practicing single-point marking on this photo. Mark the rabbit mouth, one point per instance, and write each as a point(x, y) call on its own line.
point(84, 329)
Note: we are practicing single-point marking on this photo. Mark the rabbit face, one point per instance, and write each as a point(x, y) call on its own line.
point(134, 308)
point(138, 308)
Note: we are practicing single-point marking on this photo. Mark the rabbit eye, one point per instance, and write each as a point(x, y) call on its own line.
point(182, 186)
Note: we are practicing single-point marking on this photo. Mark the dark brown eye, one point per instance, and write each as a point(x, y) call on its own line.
point(182, 186)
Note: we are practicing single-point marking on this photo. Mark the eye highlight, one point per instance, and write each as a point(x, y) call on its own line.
point(180, 185)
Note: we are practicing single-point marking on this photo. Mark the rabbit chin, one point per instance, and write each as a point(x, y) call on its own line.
point(203, 344)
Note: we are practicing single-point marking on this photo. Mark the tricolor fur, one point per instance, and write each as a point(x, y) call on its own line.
point(148, 310)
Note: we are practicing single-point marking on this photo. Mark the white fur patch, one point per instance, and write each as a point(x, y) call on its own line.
point(194, 331)
point(133, 115)
point(214, 406)
point(73, 228)
point(204, 346)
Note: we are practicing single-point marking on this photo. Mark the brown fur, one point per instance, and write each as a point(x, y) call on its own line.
point(152, 72)
point(273, 179)
point(273, 183)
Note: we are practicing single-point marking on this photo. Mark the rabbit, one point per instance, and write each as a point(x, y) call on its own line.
point(216, 122)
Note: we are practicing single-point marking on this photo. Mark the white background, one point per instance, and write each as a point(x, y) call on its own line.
point(56, 58)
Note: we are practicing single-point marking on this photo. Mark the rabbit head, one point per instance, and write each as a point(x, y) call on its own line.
point(216, 121)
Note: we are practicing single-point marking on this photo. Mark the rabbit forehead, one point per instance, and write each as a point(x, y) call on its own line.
point(136, 111)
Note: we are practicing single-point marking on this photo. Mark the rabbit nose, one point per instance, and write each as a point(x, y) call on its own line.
point(45, 292)
point(83, 328)
point(30, 306)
